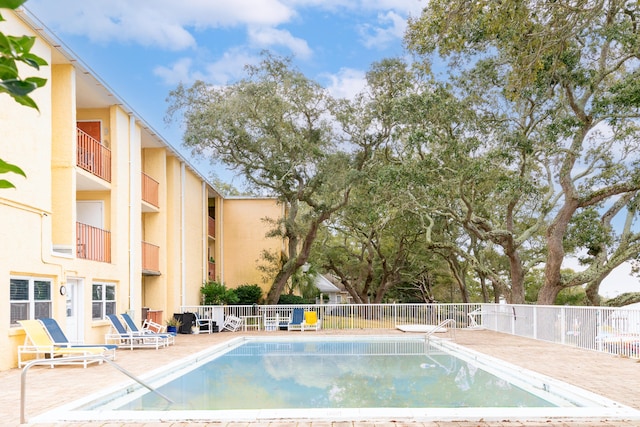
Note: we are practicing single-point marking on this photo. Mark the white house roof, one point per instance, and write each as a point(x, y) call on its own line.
point(324, 285)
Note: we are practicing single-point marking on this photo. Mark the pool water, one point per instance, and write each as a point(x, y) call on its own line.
point(325, 374)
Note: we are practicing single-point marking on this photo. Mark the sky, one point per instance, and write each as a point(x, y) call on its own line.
point(143, 49)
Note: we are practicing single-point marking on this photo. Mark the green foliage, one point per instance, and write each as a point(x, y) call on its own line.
point(6, 168)
point(572, 296)
point(624, 299)
point(216, 293)
point(291, 299)
point(12, 51)
point(15, 49)
point(172, 321)
point(249, 294)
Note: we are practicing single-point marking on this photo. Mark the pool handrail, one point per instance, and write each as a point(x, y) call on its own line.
point(23, 378)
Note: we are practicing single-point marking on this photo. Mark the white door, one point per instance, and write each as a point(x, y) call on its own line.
point(90, 212)
point(75, 321)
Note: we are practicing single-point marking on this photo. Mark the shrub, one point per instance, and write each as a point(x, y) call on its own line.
point(249, 294)
point(215, 293)
point(291, 299)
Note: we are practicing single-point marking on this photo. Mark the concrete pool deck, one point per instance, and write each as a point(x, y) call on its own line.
point(608, 375)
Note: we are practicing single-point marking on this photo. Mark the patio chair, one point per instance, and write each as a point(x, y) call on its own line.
point(204, 323)
point(271, 322)
point(60, 339)
point(39, 345)
point(232, 323)
point(123, 338)
point(295, 322)
point(311, 321)
point(133, 328)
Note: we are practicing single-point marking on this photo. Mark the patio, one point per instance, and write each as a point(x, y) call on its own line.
point(609, 375)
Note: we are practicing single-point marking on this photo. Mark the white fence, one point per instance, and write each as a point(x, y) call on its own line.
point(613, 330)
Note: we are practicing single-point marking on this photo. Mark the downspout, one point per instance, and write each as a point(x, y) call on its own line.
point(220, 241)
point(132, 252)
point(183, 264)
point(205, 234)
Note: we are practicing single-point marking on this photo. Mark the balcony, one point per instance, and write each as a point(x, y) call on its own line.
point(150, 259)
point(150, 190)
point(92, 156)
point(93, 243)
point(211, 227)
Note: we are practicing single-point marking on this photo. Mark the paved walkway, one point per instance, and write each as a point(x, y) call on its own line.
point(607, 375)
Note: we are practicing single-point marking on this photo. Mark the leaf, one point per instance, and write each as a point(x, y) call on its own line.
point(11, 4)
point(33, 60)
point(6, 184)
point(38, 81)
point(8, 167)
point(8, 69)
point(18, 87)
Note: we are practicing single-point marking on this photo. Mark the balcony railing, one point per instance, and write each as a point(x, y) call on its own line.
point(614, 330)
point(93, 156)
point(93, 243)
point(150, 257)
point(211, 226)
point(150, 190)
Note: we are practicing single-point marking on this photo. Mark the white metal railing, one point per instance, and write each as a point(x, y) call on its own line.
point(354, 316)
point(606, 329)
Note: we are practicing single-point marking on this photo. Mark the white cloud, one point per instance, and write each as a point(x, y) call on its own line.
point(347, 83)
point(265, 37)
point(178, 72)
point(392, 27)
point(406, 7)
point(230, 67)
point(162, 23)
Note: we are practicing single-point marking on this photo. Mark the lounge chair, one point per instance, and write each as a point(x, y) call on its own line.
point(60, 339)
point(133, 328)
point(39, 345)
point(123, 338)
point(311, 321)
point(232, 323)
point(295, 322)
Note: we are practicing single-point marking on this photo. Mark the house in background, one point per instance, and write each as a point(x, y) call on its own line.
point(334, 290)
point(111, 218)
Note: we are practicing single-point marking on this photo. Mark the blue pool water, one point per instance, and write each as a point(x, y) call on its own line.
point(326, 374)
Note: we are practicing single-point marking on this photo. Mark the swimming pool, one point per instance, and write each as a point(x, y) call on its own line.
point(313, 378)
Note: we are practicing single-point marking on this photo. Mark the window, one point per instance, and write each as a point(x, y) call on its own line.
point(30, 298)
point(103, 300)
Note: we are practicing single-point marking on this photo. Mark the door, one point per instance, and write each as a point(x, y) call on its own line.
point(93, 129)
point(90, 212)
point(74, 311)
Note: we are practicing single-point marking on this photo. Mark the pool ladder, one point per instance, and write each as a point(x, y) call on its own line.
point(442, 324)
point(101, 358)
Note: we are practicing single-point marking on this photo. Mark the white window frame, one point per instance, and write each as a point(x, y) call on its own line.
point(101, 305)
point(31, 303)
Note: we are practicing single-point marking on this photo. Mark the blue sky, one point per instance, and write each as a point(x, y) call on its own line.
point(143, 48)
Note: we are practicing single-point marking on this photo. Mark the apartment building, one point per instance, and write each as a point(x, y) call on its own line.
point(111, 218)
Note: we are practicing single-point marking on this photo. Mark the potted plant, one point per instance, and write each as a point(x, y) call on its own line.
point(172, 325)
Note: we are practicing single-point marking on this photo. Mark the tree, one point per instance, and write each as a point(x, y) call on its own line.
point(277, 129)
point(12, 51)
point(563, 77)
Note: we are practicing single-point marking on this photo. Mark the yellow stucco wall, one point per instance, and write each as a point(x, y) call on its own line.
point(41, 214)
point(244, 239)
